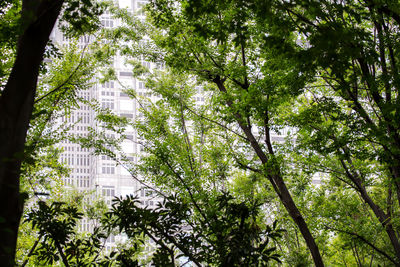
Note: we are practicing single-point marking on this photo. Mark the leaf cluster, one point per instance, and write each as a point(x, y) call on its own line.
point(228, 236)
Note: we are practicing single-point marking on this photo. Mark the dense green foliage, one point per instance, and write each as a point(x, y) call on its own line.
point(329, 71)
point(226, 234)
point(324, 74)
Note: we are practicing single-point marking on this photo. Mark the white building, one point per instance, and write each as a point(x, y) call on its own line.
point(101, 174)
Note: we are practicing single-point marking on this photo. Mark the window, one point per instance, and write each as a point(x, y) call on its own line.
point(141, 85)
point(83, 117)
point(83, 182)
point(84, 225)
point(111, 239)
point(107, 103)
point(68, 181)
point(108, 192)
point(71, 118)
point(160, 65)
point(107, 23)
point(106, 20)
point(82, 159)
point(84, 39)
point(68, 159)
point(125, 73)
point(126, 115)
point(145, 63)
point(108, 168)
point(104, 157)
point(109, 84)
point(145, 192)
point(107, 93)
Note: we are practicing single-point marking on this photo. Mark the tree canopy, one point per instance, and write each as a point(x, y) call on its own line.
point(324, 74)
point(328, 70)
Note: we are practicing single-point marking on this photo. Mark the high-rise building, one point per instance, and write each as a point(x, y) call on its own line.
point(100, 175)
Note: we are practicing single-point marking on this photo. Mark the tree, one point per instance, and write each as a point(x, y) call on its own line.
point(348, 116)
point(18, 94)
point(69, 71)
point(225, 48)
point(334, 63)
point(15, 110)
point(204, 219)
point(172, 226)
point(327, 69)
point(229, 235)
point(202, 223)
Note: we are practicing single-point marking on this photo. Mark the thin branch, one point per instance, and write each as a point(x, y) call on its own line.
point(63, 257)
point(267, 131)
point(217, 123)
point(223, 70)
point(31, 252)
point(302, 18)
point(246, 82)
point(66, 80)
point(364, 240)
point(189, 149)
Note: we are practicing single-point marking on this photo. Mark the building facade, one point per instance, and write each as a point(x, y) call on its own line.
point(100, 175)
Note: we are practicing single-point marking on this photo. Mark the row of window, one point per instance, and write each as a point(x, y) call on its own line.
point(104, 157)
point(82, 117)
point(107, 103)
point(76, 159)
point(81, 181)
point(146, 192)
point(109, 84)
point(107, 93)
point(82, 170)
point(108, 168)
point(108, 191)
point(81, 128)
point(84, 225)
point(82, 160)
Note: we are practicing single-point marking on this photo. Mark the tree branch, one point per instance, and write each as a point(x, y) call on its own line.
point(364, 240)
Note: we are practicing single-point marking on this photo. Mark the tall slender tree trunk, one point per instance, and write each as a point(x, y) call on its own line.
point(295, 214)
point(16, 104)
point(275, 177)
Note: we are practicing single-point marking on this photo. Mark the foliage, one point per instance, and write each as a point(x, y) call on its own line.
point(327, 69)
point(231, 235)
point(228, 234)
point(58, 238)
point(9, 15)
point(67, 72)
point(29, 23)
point(82, 17)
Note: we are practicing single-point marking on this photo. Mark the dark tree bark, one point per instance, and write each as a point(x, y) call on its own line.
point(275, 177)
point(16, 104)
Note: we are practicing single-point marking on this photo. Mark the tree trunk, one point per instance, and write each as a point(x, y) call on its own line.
point(16, 104)
point(275, 177)
point(294, 212)
point(383, 218)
